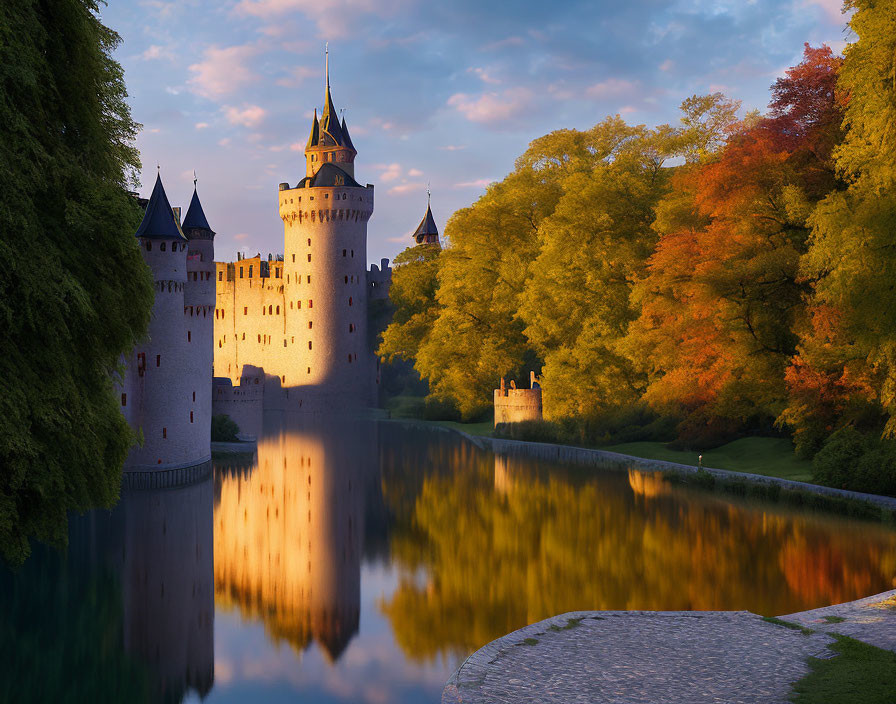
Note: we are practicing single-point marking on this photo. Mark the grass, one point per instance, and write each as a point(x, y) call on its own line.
point(771, 457)
point(787, 624)
point(860, 673)
point(834, 619)
point(570, 623)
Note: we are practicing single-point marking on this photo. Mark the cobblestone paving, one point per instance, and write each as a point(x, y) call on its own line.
point(634, 657)
point(872, 620)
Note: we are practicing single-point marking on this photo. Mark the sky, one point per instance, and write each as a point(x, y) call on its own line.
point(437, 94)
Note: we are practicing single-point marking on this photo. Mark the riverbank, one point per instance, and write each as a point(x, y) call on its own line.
point(767, 486)
point(692, 656)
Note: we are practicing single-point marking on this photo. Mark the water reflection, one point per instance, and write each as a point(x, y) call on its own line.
point(127, 614)
point(500, 542)
point(358, 562)
point(289, 532)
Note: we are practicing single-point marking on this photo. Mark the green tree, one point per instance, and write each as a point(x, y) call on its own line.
point(592, 248)
point(851, 258)
point(478, 337)
point(74, 292)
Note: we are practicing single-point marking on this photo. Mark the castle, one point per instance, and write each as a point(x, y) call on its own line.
point(302, 317)
point(166, 385)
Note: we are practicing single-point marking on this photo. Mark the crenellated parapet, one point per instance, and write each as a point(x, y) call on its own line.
point(513, 405)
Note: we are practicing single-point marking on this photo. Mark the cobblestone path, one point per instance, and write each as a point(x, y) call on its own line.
point(634, 657)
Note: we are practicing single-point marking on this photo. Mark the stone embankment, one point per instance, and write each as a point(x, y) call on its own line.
point(653, 657)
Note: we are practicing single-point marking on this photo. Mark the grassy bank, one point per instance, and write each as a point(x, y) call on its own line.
point(859, 673)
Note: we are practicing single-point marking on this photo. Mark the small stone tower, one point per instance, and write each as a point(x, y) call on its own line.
point(427, 232)
point(199, 306)
point(161, 394)
point(324, 322)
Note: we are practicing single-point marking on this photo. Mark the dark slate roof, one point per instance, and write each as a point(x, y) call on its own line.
point(427, 225)
point(158, 220)
point(328, 175)
point(348, 139)
point(314, 137)
point(195, 218)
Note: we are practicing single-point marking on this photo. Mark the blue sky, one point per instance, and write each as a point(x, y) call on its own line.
point(446, 93)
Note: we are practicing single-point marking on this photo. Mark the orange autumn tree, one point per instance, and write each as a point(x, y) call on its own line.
point(721, 297)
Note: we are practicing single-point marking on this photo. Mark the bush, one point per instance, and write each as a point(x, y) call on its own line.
point(530, 430)
point(856, 461)
point(440, 409)
point(224, 429)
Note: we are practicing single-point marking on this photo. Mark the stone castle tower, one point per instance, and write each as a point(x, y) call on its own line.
point(166, 387)
point(304, 319)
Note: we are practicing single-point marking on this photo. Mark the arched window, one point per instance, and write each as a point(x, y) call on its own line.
point(349, 300)
point(309, 344)
point(309, 324)
point(309, 241)
point(309, 257)
point(270, 310)
point(278, 310)
point(310, 303)
point(349, 359)
point(149, 246)
point(124, 399)
point(346, 279)
point(344, 251)
point(162, 247)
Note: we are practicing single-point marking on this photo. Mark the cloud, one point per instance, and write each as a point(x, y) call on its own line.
point(405, 188)
point(391, 172)
point(222, 71)
point(334, 19)
point(247, 115)
point(297, 75)
point(156, 51)
point(201, 125)
point(297, 147)
point(833, 9)
point(667, 65)
point(453, 147)
point(414, 173)
point(611, 88)
point(479, 183)
point(492, 107)
point(224, 142)
point(483, 75)
point(241, 236)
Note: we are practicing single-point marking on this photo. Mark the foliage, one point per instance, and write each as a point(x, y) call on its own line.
point(224, 429)
point(850, 364)
point(721, 297)
point(860, 462)
point(859, 673)
point(74, 292)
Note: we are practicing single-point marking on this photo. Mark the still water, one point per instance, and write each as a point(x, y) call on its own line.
point(362, 562)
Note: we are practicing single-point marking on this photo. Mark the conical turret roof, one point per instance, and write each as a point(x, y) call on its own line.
point(345, 134)
point(427, 225)
point(314, 137)
point(158, 219)
point(195, 218)
point(328, 132)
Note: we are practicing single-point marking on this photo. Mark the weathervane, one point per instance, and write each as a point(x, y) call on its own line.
point(194, 178)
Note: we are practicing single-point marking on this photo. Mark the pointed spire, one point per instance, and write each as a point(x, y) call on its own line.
point(195, 218)
point(346, 136)
point(330, 131)
point(426, 231)
point(158, 219)
point(314, 137)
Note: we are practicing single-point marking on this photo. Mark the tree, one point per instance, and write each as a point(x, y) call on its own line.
point(592, 248)
point(721, 299)
point(74, 292)
point(850, 260)
point(478, 337)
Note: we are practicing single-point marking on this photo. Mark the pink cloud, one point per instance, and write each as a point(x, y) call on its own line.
point(405, 188)
point(247, 115)
point(297, 76)
point(612, 87)
point(492, 107)
point(155, 52)
point(334, 19)
point(833, 9)
point(222, 71)
point(390, 172)
point(415, 173)
point(483, 75)
point(479, 183)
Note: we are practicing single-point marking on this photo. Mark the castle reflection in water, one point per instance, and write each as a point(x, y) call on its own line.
point(456, 546)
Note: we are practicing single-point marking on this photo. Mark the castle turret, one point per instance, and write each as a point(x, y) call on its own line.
point(427, 232)
point(199, 307)
point(329, 141)
point(160, 394)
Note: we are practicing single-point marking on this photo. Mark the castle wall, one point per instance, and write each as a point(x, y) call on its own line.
point(162, 394)
point(516, 405)
point(244, 404)
point(379, 280)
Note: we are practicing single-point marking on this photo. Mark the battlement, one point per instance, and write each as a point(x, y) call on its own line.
point(250, 271)
point(379, 280)
point(513, 405)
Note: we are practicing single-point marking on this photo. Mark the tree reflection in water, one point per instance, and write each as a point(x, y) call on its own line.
point(497, 543)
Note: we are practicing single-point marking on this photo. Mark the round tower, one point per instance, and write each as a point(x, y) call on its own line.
point(158, 392)
point(325, 268)
point(199, 307)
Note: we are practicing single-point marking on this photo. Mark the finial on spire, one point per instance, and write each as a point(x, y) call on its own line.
point(194, 178)
point(428, 194)
point(158, 168)
point(327, 61)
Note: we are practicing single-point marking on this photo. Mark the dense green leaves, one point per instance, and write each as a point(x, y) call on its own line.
point(74, 292)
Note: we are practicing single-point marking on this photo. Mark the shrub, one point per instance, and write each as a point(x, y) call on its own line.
point(531, 430)
point(856, 461)
point(441, 409)
point(224, 429)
